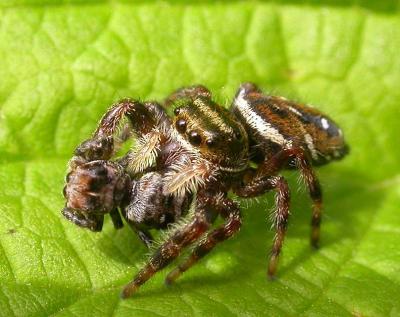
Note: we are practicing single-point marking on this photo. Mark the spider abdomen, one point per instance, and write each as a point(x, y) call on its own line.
point(275, 123)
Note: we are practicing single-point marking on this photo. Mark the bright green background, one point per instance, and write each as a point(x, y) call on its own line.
point(63, 63)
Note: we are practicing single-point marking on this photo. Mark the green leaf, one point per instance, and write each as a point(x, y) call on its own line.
point(62, 63)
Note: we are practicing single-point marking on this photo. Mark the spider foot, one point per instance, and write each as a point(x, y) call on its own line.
point(272, 267)
point(315, 232)
point(272, 277)
point(172, 276)
point(129, 290)
point(314, 243)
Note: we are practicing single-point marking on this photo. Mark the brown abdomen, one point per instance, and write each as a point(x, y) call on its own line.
point(275, 122)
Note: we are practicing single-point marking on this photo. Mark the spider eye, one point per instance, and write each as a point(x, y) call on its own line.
point(211, 143)
point(194, 138)
point(181, 125)
point(177, 111)
point(238, 135)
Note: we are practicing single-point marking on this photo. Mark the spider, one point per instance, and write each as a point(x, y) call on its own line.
point(190, 162)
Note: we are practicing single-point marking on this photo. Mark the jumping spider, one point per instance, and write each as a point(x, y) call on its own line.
point(194, 159)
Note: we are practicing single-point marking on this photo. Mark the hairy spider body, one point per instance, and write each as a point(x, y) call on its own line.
point(194, 159)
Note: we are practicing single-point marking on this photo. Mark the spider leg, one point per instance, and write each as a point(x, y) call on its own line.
point(280, 215)
point(262, 180)
point(116, 219)
point(144, 235)
point(142, 118)
point(231, 213)
point(303, 164)
point(190, 92)
point(168, 251)
point(138, 114)
point(315, 192)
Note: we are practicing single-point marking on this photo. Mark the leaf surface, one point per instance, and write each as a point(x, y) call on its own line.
point(62, 63)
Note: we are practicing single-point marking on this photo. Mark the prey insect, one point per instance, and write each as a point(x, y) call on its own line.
point(192, 160)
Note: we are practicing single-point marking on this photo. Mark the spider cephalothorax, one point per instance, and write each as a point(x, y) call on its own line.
point(195, 158)
point(214, 131)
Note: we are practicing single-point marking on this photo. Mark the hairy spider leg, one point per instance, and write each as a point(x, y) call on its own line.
point(315, 192)
point(143, 118)
point(263, 180)
point(277, 162)
point(139, 115)
point(308, 175)
point(281, 217)
point(231, 213)
point(169, 250)
point(281, 214)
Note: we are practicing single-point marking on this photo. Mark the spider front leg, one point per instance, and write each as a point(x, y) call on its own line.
point(142, 117)
point(281, 213)
point(169, 250)
point(231, 213)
